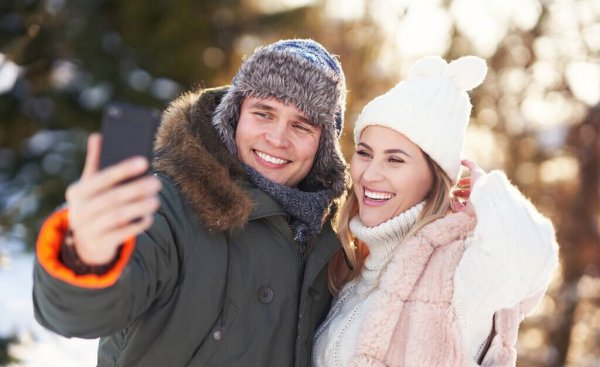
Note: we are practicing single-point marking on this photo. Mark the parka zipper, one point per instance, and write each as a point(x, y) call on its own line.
point(301, 249)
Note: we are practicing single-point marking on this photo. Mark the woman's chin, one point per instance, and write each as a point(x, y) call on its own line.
point(371, 220)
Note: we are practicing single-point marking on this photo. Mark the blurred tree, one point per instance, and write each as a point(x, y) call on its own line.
point(73, 57)
point(62, 61)
point(579, 236)
point(69, 58)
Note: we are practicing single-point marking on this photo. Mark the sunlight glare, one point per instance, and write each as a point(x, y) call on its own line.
point(591, 36)
point(532, 338)
point(546, 75)
point(483, 146)
point(487, 23)
point(275, 6)
point(584, 80)
point(426, 29)
point(547, 110)
point(562, 168)
point(526, 172)
point(474, 20)
point(345, 9)
point(513, 80)
point(9, 73)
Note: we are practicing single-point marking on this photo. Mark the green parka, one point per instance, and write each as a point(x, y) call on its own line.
point(218, 280)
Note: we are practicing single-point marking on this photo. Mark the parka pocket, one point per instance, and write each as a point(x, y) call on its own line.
point(216, 337)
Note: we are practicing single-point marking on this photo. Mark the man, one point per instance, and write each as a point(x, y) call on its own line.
point(231, 268)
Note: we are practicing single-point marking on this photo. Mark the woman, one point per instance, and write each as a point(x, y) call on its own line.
point(416, 284)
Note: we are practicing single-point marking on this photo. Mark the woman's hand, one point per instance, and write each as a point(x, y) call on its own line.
point(102, 212)
point(460, 202)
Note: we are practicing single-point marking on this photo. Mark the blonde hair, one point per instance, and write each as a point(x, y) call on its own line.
point(347, 264)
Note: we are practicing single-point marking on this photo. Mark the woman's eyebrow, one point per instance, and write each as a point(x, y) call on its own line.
point(387, 151)
point(400, 151)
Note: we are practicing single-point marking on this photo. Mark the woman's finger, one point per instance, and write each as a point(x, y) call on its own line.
point(470, 209)
point(462, 193)
point(471, 165)
point(476, 171)
point(456, 206)
point(464, 182)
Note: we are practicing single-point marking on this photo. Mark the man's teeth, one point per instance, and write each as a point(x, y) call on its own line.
point(377, 195)
point(270, 159)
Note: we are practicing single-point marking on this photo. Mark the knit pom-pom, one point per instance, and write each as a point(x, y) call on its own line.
point(428, 67)
point(467, 72)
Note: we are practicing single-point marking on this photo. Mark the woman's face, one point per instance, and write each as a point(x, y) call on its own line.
point(390, 174)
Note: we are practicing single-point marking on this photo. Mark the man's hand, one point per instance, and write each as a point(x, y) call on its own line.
point(103, 214)
point(460, 201)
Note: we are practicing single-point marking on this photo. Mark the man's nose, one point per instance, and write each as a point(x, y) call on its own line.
point(278, 136)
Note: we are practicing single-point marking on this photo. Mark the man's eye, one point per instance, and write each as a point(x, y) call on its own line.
point(262, 115)
point(302, 127)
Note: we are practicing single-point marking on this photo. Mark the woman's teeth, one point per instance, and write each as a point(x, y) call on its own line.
point(377, 195)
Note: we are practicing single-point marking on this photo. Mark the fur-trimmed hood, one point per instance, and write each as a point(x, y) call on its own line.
point(189, 151)
point(304, 74)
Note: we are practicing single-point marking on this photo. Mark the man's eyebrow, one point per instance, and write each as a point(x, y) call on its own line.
point(387, 151)
point(262, 106)
point(304, 119)
point(266, 107)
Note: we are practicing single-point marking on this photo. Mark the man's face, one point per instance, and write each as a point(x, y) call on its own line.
point(277, 140)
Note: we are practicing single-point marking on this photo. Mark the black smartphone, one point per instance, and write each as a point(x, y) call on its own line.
point(127, 131)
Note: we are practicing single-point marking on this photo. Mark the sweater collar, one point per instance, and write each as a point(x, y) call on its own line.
point(383, 238)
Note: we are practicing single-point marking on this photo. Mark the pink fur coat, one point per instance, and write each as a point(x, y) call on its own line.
point(411, 322)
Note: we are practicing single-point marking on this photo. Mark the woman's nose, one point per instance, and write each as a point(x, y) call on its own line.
point(372, 172)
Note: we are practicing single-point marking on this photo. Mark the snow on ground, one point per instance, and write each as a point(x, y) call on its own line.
point(37, 347)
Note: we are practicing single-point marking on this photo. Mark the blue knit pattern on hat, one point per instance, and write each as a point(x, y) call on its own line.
point(311, 51)
point(316, 54)
point(303, 73)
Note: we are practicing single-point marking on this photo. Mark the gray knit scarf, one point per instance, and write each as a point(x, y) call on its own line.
point(306, 208)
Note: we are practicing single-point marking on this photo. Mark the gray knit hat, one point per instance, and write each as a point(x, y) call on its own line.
point(301, 72)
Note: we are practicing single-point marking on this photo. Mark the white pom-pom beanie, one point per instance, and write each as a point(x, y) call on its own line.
point(431, 108)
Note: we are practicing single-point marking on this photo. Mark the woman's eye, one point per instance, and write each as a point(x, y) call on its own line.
point(396, 160)
point(363, 153)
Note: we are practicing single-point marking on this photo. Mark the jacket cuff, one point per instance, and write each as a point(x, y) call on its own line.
point(69, 257)
point(48, 252)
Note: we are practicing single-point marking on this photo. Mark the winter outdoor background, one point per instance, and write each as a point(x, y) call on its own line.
point(536, 116)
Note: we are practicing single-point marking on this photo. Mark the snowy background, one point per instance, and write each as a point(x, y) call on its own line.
point(537, 116)
point(36, 346)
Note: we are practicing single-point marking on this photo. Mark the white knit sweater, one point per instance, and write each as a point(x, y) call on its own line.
point(512, 263)
point(335, 339)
